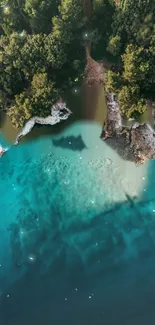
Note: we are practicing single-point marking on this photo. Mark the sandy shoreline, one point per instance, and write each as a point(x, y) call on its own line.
point(130, 177)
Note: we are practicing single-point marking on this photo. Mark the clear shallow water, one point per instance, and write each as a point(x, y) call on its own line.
point(73, 249)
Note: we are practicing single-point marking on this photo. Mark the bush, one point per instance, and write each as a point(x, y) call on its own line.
point(36, 101)
point(112, 81)
point(114, 45)
point(130, 103)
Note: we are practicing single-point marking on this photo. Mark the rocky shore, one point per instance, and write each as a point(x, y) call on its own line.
point(135, 143)
point(59, 112)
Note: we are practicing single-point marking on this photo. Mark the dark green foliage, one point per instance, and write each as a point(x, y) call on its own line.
point(42, 43)
point(134, 21)
point(40, 13)
point(112, 81)
point(41, 53)
point(114, 45)
point(133, 41)
point(139, 67)
point(35, 101)
point(102, 17)
point(130, 102)
point(11, 77)
point(35, 16)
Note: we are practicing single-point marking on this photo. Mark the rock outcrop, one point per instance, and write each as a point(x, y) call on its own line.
point(59, 112)
point(143, 141)
point(135, 143)
point(113, 123)
point(2, 151)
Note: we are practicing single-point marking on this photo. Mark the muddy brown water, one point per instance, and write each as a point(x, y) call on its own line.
point(87, 104)
point(143, 118)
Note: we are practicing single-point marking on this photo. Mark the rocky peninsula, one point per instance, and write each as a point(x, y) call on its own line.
point(59, 112)
point(135, 143)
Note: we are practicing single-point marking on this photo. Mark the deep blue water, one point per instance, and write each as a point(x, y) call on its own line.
point(73, 249)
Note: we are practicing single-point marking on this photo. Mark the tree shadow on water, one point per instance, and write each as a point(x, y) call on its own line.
point(70, 142)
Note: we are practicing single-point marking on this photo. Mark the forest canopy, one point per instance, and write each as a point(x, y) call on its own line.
point(132, 46)
point(42, 52)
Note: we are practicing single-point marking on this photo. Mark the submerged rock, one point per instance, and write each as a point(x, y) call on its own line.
point(135, 143)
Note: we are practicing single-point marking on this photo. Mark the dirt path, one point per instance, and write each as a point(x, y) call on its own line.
point(94, 107)
point(94, 71)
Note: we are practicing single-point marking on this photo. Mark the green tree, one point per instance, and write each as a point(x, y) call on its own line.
point(67, 34)
point(43, 94)
point(40, 13)
point(50, 46)
point(13, 17)
point(112, 81)
point(12, 79)
point(114, 45)
point(32, 57)
point(37, 100)
point(139, 67)
point(34, 16)
point(3, 100)
point(102, 17)
point(134, 21)
point(23, 57)
point(135, 63)
point(130, 102)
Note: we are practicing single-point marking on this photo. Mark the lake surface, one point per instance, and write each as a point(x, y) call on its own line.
point(76, 246)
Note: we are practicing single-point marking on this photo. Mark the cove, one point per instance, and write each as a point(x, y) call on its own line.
point(76, 229)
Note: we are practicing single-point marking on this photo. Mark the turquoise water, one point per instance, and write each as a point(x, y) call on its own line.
point(76, 246)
